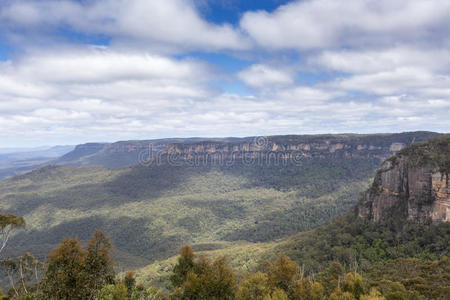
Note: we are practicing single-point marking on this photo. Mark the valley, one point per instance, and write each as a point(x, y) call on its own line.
point(151, 209)
point(304, 207)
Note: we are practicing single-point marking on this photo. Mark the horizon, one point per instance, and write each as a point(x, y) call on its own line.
point(19, 148)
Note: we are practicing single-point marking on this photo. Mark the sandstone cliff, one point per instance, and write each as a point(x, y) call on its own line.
point(297, 147)
point(274, 148)
point(414, 185)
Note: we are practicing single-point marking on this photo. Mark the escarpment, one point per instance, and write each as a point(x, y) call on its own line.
point(413, 185)
point(275, 148)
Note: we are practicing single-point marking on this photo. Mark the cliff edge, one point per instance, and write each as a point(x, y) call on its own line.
point(412, 185)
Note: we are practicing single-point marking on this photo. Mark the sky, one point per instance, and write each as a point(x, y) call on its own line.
point(76, 71)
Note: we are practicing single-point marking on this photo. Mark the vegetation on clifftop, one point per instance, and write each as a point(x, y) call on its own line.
point(435, 152)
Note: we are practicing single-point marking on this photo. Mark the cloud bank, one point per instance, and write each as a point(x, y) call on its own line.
point(312, 67)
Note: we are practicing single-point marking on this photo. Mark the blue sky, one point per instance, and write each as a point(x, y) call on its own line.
point(227, 11)
point(74, 71)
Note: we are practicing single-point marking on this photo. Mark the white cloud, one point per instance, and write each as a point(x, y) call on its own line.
point(12, 87)
point(99, 65)
point(79, 91)
point(364, 66)
point(400, 80)
point(157, 96)
point(370, 61)
point(173, 24)
point(333, 23)
point(102, 73)
point(303, 94)
point(265, 76)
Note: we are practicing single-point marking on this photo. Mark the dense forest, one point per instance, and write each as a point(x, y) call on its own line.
point(205, 203)
point(351, 257)
point(75, 271)
point(150, 211)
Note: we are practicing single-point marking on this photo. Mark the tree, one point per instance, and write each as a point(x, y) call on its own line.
point(74, 272)
point(373, 295)
point(354, 284)
point(9, 267)
point(305, 288)
point(278, 294)
point(8, 223)
point(116, 291)
point(183, 267)
point(99, 267)
point(317, 291)
point(208, 280)
point(66, 277)
point(254, 288)
point(394, 290)
point(130, 282)
point(333, 276)
point(281, 274)
point(23, 273)
point(338, 294)
point(148, 293)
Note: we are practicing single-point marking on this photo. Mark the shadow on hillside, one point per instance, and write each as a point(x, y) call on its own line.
point(138, 237)
point(139, 183)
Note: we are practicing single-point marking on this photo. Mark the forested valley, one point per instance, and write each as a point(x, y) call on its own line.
point(352, 253)
point(347, 259)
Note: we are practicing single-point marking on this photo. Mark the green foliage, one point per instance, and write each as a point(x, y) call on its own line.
point(74, 272)
point(206, 203)
point(435, 152)
point(353, 284)
point(428, 278)
point(349, 239)
point(183, 267)
point(127, 289)
point(281, 273)
point(278, 294)
point(284, 280)
point(255, 287)
point(130, 282)
point(338, 294)
point(149, 212)
point(8, 223)
point(373, 295)
point(116, 291)
point(23, 274)
point(394, 290)
point(206, 280)
point(142, 293)
point(354, 243)
point(98, 264)
point(65, 275)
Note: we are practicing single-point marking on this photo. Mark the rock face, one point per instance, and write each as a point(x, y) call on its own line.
point(118, 154)
point(410, 187)
point(297, 147)
point(273, 148)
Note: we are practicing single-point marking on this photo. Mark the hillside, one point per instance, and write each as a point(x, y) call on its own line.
point(398, 245)
point(202, 193)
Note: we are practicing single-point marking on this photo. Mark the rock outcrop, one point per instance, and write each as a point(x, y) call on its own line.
point(413, 185)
